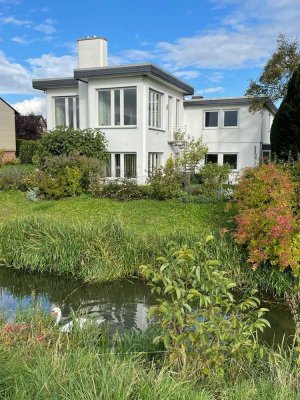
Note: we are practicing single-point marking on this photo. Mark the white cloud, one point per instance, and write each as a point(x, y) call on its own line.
point(36, 105)
point(187, 74)
point(46, 27)
point(11, 20)
point(49, 66)
point(210, 90)
point(215, 77)
point(20, 40)
point(14, 78)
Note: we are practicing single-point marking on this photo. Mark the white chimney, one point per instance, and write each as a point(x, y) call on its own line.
point(92, 52)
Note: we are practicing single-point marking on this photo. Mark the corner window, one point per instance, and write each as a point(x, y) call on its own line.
point(155, 109)
point(117, 107)
point(211, 119)
point(230, 159)
point(66, 111)
point(211, 158)
point(230, 118)
point(154, 162)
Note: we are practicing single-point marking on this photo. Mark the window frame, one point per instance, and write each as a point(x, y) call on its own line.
point(238, 118)
point(204, 119)
point(151, 109)
point(231, 154)
point(76, 116)
point(112, 107)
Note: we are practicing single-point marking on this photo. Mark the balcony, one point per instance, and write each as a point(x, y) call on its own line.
point(177, 135)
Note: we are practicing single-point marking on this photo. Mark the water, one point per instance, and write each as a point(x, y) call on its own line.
point(124, 303)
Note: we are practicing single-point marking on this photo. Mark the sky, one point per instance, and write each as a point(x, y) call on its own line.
point(216, 46)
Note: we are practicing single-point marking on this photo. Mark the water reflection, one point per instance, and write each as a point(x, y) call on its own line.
point(123, 303)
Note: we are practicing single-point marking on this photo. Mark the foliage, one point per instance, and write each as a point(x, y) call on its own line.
point(192, 154)
point(273, 81)
point(285, 131)
point(48, 187)
point(11, 177)
point(122, 190)
point(29, 127)
point(266, 223)
point(1, 156)
point(65, 141)
point(56, 166)
point(26, 150)
point(213, 177)
point(200, 319)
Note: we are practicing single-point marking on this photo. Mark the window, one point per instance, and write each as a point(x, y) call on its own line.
point(155, 109)
point(177, 113)
point(117, 165)
point(230, 118)
point(117, 107)
point(170, 101)
point(230, 159)
point(129, 165)
point(154, 162)
point(266, 156)
point(211, 158)
point(66, 110)
point(211, 119)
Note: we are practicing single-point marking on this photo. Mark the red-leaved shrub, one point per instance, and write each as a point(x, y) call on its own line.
point(266, 222)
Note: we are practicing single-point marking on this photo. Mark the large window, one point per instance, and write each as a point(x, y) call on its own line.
point(230, 118)
point(117, 107)
point(211, 158)
point(154, 162)
point(211, 119)
point(230, 159)
point(121, 165)
point(66, 110)
point(155, 109)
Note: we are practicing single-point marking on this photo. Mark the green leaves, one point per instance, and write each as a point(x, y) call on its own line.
point(199, 316)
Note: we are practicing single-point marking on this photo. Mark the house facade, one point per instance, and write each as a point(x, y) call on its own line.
point(140, 107)
point(7, 130)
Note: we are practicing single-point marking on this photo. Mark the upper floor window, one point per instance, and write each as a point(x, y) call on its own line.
point(66, 111)
point(211, 119)
point(117, 107)
point(230, 118)
point(155, 109)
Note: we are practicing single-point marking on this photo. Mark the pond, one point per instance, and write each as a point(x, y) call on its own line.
point(123, 303)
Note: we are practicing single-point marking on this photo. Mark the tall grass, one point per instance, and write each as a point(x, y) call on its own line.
point(100, 252)
point(88, 364)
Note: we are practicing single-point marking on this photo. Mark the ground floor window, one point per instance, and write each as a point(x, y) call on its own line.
point(211, 158)
point(230, 159)
point(121, 165)
point(154, 162)
point(266, 156)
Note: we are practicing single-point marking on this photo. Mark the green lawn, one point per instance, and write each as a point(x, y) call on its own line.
point(140, 215)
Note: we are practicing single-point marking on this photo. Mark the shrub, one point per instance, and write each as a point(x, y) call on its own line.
point(65, 141)
point(265, 221)
point(56, 165)
point(1, 156)
point(202, 324)
point(11, 178)
point(26, 150)
point(119, 190)
point(47, 186)
point(212, 177)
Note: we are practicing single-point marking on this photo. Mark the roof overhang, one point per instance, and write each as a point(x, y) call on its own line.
point(53, 83)
point(230, 101)
point(133, 70)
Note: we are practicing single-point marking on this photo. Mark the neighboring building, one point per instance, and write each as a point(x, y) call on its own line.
point(139, 108)
point(7, 130)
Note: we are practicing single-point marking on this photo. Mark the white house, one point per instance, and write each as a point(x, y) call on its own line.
point(139, 107)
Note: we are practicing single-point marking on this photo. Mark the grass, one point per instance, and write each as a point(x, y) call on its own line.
point(41, 363)
point(141, 216)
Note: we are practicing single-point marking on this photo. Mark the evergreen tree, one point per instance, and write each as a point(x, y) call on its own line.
point(285, 132)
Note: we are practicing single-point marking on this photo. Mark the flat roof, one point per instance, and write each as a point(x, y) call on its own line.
point(52, 83)
point(230, 101)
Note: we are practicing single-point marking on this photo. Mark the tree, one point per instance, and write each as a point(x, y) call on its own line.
point(30, 127)
point(273, 82)
point(285, 132)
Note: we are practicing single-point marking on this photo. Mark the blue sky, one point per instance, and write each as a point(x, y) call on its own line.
point(216, 46)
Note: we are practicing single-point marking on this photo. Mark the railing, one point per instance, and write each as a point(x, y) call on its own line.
point(177, 134)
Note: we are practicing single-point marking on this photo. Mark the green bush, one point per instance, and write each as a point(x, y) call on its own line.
point(26, 150)
point(56, 165)
point(11, 178)
point(64, 141)
point(202, 323)
point(164, 185)
point(46, 186)
point(212, 177)
point(119, 190)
